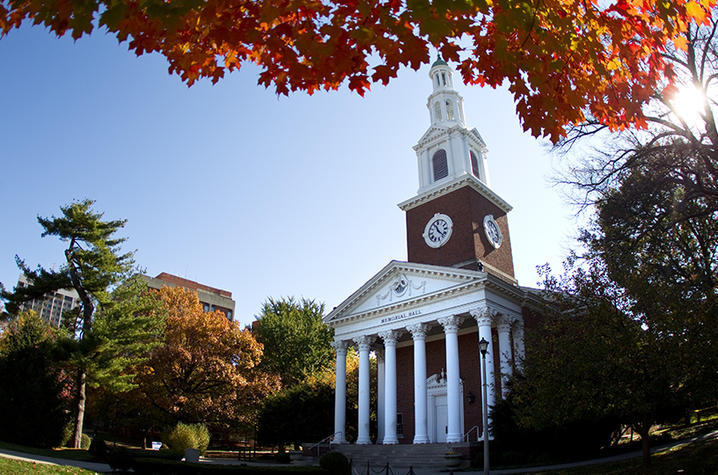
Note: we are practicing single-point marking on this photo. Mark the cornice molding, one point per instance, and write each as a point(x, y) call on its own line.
point(445, 189)
point(436, 133)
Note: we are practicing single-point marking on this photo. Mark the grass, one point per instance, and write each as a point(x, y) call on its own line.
point(18, 467)
point(699, 457)
point(61, 453)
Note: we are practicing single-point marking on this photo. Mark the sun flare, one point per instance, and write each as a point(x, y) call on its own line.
point(688, 104)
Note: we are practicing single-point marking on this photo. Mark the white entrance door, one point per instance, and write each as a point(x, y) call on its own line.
point(442, 424)
point(437, 409)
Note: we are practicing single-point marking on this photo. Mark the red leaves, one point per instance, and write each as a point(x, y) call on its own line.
point(570, 55)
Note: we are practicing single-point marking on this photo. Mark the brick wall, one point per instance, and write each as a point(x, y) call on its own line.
point(467, 209)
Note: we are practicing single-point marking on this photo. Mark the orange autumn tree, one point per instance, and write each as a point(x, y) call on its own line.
point(561, 59)
point(206, 369)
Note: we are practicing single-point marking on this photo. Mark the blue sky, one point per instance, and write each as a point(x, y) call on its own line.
point(233, 186)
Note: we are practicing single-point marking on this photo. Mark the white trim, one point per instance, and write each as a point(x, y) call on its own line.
point(464, 180)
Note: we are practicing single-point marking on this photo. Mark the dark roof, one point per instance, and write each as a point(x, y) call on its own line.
point(439, 62)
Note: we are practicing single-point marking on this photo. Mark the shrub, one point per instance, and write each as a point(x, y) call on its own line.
point(85, 442)
point(335, 463)
point(188, 436)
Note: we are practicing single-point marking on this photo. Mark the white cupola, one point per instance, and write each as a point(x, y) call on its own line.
point(448, 150)
point(445, 104)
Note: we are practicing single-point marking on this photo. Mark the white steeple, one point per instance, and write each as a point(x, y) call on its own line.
point(448, 150)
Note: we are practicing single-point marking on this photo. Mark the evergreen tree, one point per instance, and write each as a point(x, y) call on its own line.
point(94, 267)
point(33, 409)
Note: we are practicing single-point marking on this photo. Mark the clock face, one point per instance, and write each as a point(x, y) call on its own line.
point(438, 230)
point(493, 233)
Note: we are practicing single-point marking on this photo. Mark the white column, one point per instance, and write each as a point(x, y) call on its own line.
point(389, 338)
point(364, 343)
point(504, 330)
point(379, 393)
point(340, 393)
point(519, 342)
point(483, 319)
point(453, 404)
point(418, 333)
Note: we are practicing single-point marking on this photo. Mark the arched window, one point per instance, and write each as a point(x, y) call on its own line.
point(449, 110)
point(440, 165)
point(474, 164)
point(437, 110)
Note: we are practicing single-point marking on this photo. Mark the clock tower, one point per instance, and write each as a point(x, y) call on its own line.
point(455, 219)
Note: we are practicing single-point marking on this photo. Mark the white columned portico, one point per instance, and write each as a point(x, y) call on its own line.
point(503, 328)
point(518, 330)
point(418, 333)
point(364, 344)
point(379, 393)
point(482, 316)
point(340, 393)
point(389, 338)
point(453, 393)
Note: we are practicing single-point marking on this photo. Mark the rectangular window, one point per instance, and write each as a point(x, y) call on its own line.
point(399, 425)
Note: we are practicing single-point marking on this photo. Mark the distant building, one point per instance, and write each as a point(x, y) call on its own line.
point(211, 298)
point(53, 305)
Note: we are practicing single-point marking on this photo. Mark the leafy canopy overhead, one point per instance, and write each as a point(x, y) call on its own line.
point(560, 58)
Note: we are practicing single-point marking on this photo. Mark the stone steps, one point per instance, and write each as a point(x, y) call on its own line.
point(401, 455)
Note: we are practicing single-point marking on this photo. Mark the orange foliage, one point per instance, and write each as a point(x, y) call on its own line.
point(205, 371)
point(560, 58)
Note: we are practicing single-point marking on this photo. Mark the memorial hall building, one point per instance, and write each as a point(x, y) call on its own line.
point(423, 318)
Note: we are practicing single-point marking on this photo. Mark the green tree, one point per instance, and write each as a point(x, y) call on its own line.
point(660, 244)
point(33, 409)
point(94, 266)
point(301, 413)
point(296, 341)
point(591, 360)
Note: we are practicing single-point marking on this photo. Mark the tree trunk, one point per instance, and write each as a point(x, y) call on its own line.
point(80, 398)
point(646, 446)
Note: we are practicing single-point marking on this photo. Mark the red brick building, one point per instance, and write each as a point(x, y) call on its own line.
point(211, 298)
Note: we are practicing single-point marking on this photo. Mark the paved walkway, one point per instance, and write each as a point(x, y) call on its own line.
point(92, 466)
point(104, 468)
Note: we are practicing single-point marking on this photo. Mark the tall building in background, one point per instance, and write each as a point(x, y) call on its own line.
point(52, 306)
point(211, 298)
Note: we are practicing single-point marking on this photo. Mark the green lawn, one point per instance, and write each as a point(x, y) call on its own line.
point(64, 453)
point(17, 467)
point(699, 457)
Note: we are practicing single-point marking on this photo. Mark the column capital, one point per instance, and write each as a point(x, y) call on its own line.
point(484, 315)
point(450, 323)
point(503, 324)
point(340, 345)
point(389, 336)
point(418, 330)
point(364, 342)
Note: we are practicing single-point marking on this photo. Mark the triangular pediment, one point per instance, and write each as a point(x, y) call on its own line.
point(432, 133)
point(399, 284)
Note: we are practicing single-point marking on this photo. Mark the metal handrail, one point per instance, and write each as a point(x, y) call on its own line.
point(324, 440)
point(468, 432)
